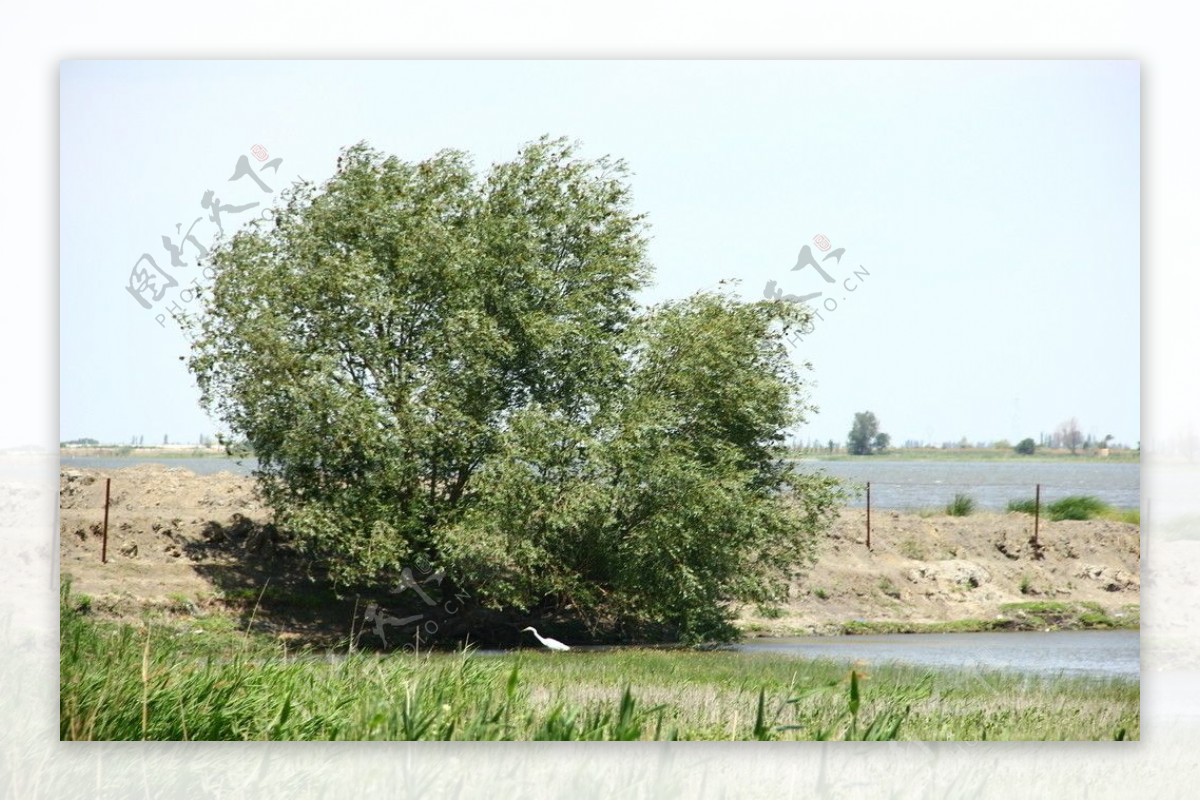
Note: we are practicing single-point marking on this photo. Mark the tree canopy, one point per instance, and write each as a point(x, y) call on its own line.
point(865, 437)
point(434, 365)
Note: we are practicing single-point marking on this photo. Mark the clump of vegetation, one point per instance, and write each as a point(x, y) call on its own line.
point(1132, 516)
point(884, 726)
point(1076, 507)
point(888, 587)
point(179, 602)
point(1129, 616)
point(962, 625)
point(1025, 506)
point(1026, 447)
point(821, 593)
point(910, 548)
point(1068, 615)
point(961, 506)
point(1026, 585)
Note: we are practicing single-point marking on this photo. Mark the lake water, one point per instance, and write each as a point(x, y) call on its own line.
point(898, 484)
point(201, 466)
point(1068, 653)
point(894, 484)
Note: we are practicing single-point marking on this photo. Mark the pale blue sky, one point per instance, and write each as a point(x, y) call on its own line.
point(995, 206)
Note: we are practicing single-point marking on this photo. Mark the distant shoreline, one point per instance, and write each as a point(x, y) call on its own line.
point(896, 454)
point(161, 452)
point(970, 455)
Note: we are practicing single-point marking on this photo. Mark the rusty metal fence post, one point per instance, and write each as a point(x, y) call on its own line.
point(868, 515)
point(104, 541)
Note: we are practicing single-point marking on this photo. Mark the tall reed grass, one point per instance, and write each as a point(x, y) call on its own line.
point(161, 681)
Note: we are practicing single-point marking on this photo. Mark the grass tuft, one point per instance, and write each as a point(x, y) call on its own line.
point(961, 506)
point(1028, 506)
point(1078, 507)
point(1131, 516)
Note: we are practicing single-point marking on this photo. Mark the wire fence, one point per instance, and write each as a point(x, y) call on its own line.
point(962, 499)
point(920, 497)
point(916, 496)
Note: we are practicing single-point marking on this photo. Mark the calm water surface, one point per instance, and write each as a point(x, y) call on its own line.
point(894, 484)
point(901, 484)
point(201, 466)
point(1069, 653)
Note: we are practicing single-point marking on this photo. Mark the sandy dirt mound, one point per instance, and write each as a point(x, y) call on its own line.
point(168, 531)
point(941, 568)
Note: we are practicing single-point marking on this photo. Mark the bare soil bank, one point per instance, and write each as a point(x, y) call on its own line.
point(941, 569)
point(189, 543)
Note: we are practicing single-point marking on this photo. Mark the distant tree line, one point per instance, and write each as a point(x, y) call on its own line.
point(865, 439)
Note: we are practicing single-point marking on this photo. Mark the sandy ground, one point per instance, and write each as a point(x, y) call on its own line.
point(185, 542)
point(941, 568)
point(166, 529)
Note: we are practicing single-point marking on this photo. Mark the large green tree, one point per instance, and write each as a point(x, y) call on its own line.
point(437, 366)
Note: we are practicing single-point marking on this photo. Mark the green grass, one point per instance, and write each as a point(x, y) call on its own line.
point(1022, 616)
point(82, 604)
point(160, 681)
point(1071, 615)
point(961, 506)
point(1026, 506)
point(1078, 507)
point(961, 626)
point(1132, 516)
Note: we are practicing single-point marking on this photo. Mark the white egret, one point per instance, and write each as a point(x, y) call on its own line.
point(549, 642)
